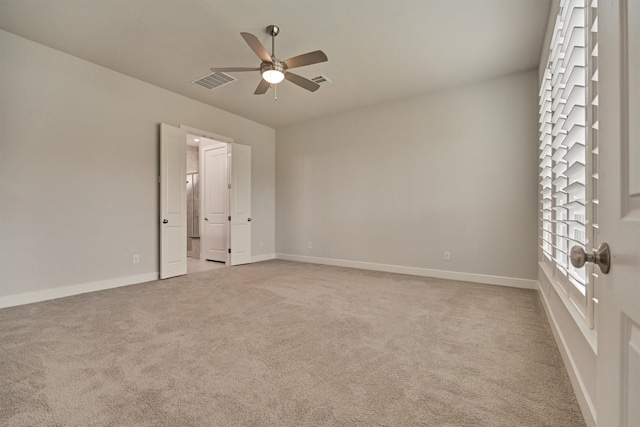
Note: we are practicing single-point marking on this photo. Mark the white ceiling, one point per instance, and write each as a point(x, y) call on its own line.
point(379, 50)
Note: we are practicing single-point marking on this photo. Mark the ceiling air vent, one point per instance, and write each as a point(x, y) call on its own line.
point(320, 79)
point(214, 80)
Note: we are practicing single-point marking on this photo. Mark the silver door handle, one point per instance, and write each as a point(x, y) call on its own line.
point(602, 257)
point(165, 221)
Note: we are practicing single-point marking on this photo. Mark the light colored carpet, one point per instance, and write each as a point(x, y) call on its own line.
point(285, 344)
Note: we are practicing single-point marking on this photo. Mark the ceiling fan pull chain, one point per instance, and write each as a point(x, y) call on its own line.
point(275, 92)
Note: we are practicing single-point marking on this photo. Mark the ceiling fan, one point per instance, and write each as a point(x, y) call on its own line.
point(273, 70)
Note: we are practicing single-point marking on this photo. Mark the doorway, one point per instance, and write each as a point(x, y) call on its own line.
point(207, 176)
point(225, 197)
point(231, 203)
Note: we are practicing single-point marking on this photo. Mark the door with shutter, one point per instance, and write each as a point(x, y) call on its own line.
point(618, 316)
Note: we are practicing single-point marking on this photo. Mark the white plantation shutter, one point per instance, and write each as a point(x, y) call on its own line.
point(564, 114)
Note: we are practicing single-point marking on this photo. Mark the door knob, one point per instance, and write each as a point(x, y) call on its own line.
point(602, 257)
point(164, 221)
point(206, 219)
point(249, 219)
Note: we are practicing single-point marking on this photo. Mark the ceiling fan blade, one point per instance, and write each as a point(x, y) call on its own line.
point(231, 69)
point(262, 87)
point(306, 59)
point(257, 47)
point(301, 81)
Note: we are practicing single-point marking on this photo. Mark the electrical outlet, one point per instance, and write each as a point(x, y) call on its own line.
point(136, 259)
point(308, 245)
point(447, 256)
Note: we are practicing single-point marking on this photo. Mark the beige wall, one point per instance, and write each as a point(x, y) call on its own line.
point(401, 183)
point(79, 168)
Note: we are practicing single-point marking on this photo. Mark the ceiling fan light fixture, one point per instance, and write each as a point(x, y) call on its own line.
point(272, 73)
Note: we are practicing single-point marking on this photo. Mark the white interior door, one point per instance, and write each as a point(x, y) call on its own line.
point(240, 201)
point(173, 202)
point(618, 315)
point(216, 197)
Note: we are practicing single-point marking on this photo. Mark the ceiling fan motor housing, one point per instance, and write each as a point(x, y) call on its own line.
point(275, 66)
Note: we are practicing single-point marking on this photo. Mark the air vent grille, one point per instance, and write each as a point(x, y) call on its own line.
point(320, 79)
point(214, 80)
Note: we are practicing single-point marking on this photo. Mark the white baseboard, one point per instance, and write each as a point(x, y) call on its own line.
point(66, 291)
point(582, 395)
point(416, 271)
point(265, 257)
point(83, 288)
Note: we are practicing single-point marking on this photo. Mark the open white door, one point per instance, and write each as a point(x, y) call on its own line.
point(173, 205)
point(618, 315)
point(240, 201)
point(216, 197)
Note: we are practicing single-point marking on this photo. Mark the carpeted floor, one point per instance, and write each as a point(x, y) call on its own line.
point(281, 343)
